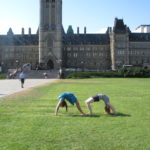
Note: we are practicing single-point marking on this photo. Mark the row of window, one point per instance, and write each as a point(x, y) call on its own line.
point(86, 55)
point(138, 62)
point(27, 49)
point(84, 48)
point(84, 64)
point(121, 45)
point(21, 50)
point(47, 1)
point(124, 45)
point(121, 38)
point(137, 45)
point(133, 52)
point(135, 61)
point(19, 55)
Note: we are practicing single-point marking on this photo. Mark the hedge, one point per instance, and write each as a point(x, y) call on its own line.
point(123, 72)
point(2, 76)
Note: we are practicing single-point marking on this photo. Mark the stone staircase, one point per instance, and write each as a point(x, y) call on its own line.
point(39, 74)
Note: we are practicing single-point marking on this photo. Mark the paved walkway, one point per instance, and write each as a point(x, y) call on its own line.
point(8, 87)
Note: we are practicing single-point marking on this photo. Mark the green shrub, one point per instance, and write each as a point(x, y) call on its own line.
point(78, 75)
point(2, 76)
point(134, 72)
point(92, 74)
point(123, 72)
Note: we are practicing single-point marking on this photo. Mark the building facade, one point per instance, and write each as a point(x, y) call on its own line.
point(53, 48)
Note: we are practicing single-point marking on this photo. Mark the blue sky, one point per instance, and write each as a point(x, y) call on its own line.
point(94, 14)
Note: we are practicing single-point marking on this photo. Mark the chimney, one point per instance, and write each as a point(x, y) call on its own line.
point(84, 30)
point(78, 30)
point(29, 31)
point(22, 31)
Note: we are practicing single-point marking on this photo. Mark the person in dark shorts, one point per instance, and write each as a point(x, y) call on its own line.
point(71, 98)
point(97, 98)
point(22, 77)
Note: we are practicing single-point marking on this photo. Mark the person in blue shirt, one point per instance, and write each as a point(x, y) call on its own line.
point(22, 77)
point(71, 98)
point(108, 107)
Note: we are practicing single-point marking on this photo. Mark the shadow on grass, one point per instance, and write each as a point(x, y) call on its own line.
point(119, 115)
point(96, 116)
point(84, 115)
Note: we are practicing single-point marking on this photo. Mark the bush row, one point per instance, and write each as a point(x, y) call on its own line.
point(123, 72)
point(134, 72)
point(2, 76)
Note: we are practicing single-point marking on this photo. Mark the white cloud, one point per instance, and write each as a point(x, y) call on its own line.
point(102, 30)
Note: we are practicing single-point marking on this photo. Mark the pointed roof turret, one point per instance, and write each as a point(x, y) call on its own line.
point(119, 26)
point(109, 30)
point(10, 32)
point(70, 30)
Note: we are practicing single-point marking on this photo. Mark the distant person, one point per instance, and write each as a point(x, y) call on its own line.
point(22, 77)
point(13, 74)
point(37, 67)
point(26, 68)
point(45, 75)
point(108, 107)
point(71, 99)
point(61, 73)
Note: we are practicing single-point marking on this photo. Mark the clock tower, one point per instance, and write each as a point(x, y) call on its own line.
point(50, 34)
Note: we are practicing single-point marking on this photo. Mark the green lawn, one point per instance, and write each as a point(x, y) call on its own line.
point(27, 120)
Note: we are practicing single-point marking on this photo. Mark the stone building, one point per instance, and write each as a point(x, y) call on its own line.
point(16, 50)
point(52, 48)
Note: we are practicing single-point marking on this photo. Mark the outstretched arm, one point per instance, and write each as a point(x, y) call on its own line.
point(79, 108)
point(57, 107)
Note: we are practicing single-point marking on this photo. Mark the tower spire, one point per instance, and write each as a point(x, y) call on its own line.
point(50, 31)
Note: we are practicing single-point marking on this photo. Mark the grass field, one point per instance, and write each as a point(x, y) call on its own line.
point(27, 120)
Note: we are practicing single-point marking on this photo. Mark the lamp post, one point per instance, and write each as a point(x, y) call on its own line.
point(82, 65)
point(1, 67)
point(17, 64)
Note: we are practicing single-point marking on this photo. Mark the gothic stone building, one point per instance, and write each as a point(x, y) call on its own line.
point(52, 48)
